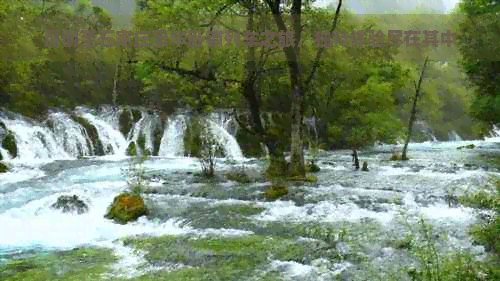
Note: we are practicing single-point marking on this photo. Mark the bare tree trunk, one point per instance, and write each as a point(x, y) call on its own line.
point(355, 158)
point(115, 82)
point(413, 111)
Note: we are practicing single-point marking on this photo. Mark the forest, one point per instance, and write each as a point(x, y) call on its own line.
point(356, 95)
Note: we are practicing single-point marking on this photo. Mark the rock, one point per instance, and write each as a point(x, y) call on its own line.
point(70, 204)
point(9, 144)
point(469, 146)
point(311, 167)
point(365, 167)
point(126, 207)
point(4, 168)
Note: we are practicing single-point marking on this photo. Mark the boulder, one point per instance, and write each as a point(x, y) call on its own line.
point(70, 204)
point(126, 207)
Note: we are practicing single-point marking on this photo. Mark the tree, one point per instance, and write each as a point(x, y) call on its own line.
point(413, 111)
point(478, 38)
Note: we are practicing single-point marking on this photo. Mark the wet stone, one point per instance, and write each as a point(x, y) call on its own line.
point(70, 204)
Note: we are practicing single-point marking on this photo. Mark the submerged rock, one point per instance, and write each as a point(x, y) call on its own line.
point(3, 168)
point(126, 207)
point(70, 204)
point(469, 146)
point(9, 144)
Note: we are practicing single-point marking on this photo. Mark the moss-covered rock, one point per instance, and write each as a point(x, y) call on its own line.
point(131, 149)
point(9, 144)
point(126, 207)
point(1, 156)
point(92, 133)
point(311, 167)
point(125, 122)
point(275, 191)
point(4, 168)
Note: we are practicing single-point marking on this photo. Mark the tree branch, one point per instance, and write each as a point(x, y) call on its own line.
point(322, 49)
point(197, 74)
point(243, 126)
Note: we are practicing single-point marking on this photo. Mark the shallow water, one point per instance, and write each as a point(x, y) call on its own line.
point(369, 207)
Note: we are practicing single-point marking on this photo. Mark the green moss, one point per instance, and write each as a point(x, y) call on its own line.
point(1, 156)
point(126, 207)
point(78, 264)
point(131, 149)
point(405, 243)
point(9, 144)
point(192, 138)
point(275, 191)
point(141, 142)
point(307, 178)
point(125, 122)
point(92, 133)
point(222, 258)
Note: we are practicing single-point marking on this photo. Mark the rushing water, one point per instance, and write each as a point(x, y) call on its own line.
point(368, 204)
point(370, 207)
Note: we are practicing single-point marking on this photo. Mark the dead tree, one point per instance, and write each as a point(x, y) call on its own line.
point(413, 111)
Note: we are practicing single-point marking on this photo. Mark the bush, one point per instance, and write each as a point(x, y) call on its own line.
point(207, 153)
point(238, 175)
point(396, 156)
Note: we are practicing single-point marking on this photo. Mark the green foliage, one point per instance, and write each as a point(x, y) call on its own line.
point(131, 149)
point(9, 144)
point(209, 148)
point(478, 37)
point(125, 122)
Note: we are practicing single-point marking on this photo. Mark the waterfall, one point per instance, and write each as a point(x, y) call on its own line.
point(34, 141)
point(172, 142)
point(71, 135)
point(112, 140)
point(229, 144)
point(453, 136)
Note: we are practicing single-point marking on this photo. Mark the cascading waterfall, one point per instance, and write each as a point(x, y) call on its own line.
point(62, 136)
point(453, 136)
point(112, 140)
point(229, 144)
point(34, 141)
point(172, 142)
point(70, 134)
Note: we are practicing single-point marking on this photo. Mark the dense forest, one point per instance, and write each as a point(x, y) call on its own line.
point(353, 94)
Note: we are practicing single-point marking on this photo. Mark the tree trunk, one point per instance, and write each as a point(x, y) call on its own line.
point(115, 82)
point(355, 159)
point(413, 111)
